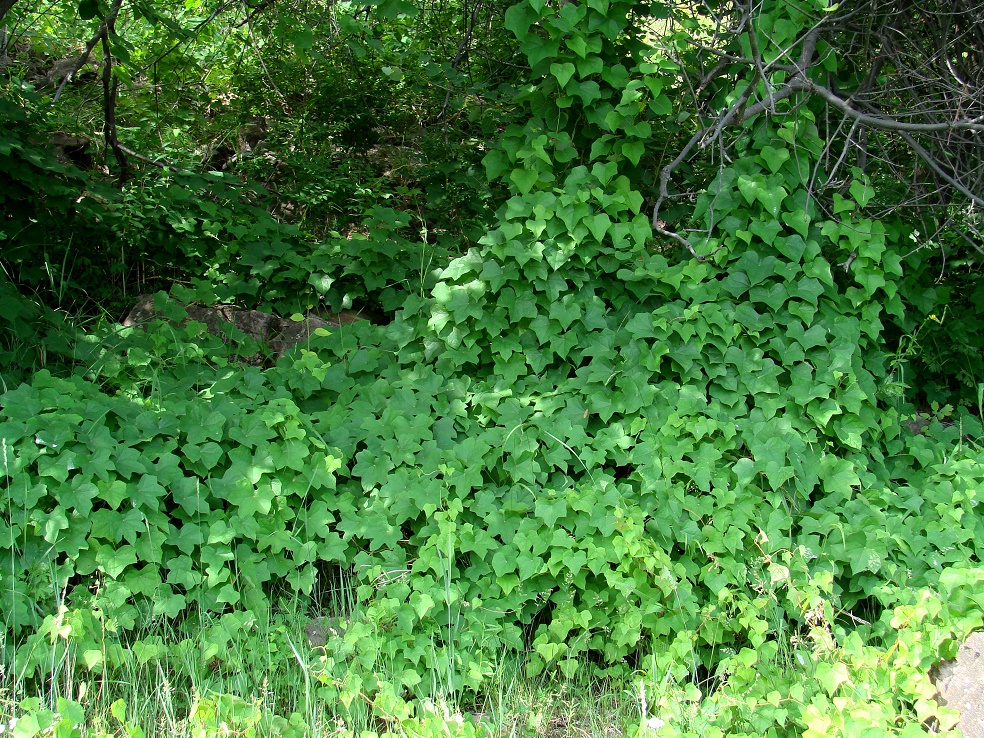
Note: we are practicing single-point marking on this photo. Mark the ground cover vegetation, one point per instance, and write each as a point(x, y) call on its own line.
point(667, 421)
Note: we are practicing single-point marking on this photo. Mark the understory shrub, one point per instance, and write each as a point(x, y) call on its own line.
point(661, 452)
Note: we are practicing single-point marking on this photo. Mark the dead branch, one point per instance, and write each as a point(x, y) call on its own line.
point(922, 64)
point(146, 159)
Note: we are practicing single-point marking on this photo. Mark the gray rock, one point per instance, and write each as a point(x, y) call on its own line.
point(278, 334)
point(961, 685)
point(320, 631)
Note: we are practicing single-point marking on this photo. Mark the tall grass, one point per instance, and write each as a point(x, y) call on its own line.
point(260, 676)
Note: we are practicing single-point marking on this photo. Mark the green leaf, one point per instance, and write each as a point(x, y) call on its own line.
point(749, 187)
point(503, 562)
point(861, 192)
point(842, 204)
point(88, 9)
point(822, 412)
point(538, 49)
point(798, 220)
point(93, 659)
point(550, 651)
point(394, 74)
point(838, 475)
point(772, 198)
point(598, 225)
point(524, 179)
point(550, 510)
point(422, 603)
point(775, 295)
point(756, 188)
point(303, 39)
point(228, 594)
point(865, 559)
point(529, 565)
point(56, 522)
point(792, 247)
point(588, 90)
point(870, 278)
point(496, 164)
point(563, 73)
point(71, 711)
point(578, 45)
point(767, 230)
point(114, 561)
point(831, 676)
point(756, 267)
point(518, 19)
point(633, 150)
point(589, 65)
point(393, 9)
point(661, 105)
point(850, 430)
point(774, 158)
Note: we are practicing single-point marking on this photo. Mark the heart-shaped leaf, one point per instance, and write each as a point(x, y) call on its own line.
point(774, 158)
point(563, 73)
point(767, 230)
point(861, 192)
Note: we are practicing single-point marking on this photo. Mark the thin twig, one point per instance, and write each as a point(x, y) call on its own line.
point(757, 59)
point(259, 56)
point(146, 159)
point(935, 166)
point(885, 123)
point(664, 179)
point(193, 34)
point(80, 62)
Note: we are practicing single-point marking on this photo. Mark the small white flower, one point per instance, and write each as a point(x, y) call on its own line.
point(655, 723)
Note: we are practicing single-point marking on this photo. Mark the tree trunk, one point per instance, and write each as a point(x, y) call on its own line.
point(5, 6)
point(111, 87)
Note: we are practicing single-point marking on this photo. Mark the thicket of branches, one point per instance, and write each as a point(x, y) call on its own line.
point(901, 87)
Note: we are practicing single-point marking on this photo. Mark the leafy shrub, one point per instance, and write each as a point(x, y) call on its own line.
point(50, 208)
point(32, 336)
point(375, 270)
point(612, 450)
point(169, 501)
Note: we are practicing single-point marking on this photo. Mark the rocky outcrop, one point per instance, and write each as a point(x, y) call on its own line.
point(276, 333)
point(961, 685)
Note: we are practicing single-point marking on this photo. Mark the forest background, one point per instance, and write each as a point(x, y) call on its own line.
point(665, 418)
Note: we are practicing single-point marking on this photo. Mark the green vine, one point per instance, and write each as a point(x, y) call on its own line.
point(623, 443)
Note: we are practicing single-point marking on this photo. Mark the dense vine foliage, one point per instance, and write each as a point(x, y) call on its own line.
point(652, 425)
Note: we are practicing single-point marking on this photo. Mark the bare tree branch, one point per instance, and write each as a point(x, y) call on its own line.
point(108, 21)
point(146, 159)
point(757, 58)
point(942, 173)
point(259, 56)
point(885, 123)
point(916, 104)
